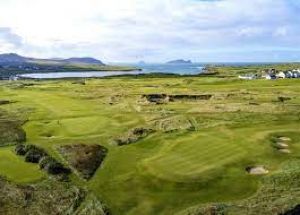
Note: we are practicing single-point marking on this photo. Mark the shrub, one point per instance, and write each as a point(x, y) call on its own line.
point(283, 99)
point(20, 149)
point(34, 154)
point(51, 166)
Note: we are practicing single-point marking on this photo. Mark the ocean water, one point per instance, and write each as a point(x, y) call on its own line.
point(181, 69)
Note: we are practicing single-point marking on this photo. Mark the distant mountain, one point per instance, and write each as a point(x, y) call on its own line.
point(180, 61)
point(15, 58)
point(12, 63)
point(12, 58)
point(86, 60)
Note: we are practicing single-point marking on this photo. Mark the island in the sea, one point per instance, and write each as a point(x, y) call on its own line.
point(180, 61)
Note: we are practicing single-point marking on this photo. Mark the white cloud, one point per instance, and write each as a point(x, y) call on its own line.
point(280, 32)
point(153, 30)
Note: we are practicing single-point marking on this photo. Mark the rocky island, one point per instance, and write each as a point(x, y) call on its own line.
point(180, 61)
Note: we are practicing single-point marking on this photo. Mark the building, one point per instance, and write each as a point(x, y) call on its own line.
point(284, 74)
point(270, 76)
point(296, 73)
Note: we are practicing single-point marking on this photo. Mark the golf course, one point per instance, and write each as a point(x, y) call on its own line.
point(184, 145)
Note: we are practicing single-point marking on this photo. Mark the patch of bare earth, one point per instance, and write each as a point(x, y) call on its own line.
point(133, 136)
point(85, 159)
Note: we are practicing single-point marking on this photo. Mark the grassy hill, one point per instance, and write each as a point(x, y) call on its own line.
point(12, 64)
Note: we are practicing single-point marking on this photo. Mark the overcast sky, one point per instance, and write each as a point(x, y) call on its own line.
point(153, 30)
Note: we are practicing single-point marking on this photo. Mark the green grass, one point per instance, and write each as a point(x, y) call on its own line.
point(166, 172)
point(15, 169)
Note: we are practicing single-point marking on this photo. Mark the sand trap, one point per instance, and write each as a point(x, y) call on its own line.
point(282, 145)
point(285, 151)
point(285, 139)
point(257, 170)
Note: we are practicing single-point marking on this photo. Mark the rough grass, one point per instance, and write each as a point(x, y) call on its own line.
point(177, 167)
point(48, 197)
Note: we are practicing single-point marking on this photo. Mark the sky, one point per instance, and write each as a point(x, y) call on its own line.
point(153, 30)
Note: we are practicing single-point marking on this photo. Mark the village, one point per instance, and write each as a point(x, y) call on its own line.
point(272, 74)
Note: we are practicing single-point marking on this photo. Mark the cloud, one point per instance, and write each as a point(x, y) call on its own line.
point(131, 30)
point(9, 40)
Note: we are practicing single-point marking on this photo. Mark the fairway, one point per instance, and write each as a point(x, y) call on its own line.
point(198, 151)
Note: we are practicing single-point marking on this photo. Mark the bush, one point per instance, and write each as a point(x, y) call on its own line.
point(283, 99)
point(51, 166)
point(20, 149)
point(34, 154)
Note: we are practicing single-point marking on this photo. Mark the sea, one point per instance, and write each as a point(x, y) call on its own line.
point(179, 69)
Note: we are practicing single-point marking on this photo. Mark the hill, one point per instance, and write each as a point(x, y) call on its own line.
point(11, 64)
point(87, 60)
point(15, 58)
point(12, 58)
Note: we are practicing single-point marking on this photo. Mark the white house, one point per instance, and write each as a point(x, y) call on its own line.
point(284, 74)
point(281, 75)
point(270, 76)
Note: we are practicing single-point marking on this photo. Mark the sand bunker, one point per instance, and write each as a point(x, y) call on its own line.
point(285, 139)
point(285, 151)
point(257, 170)
point(281, 145)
